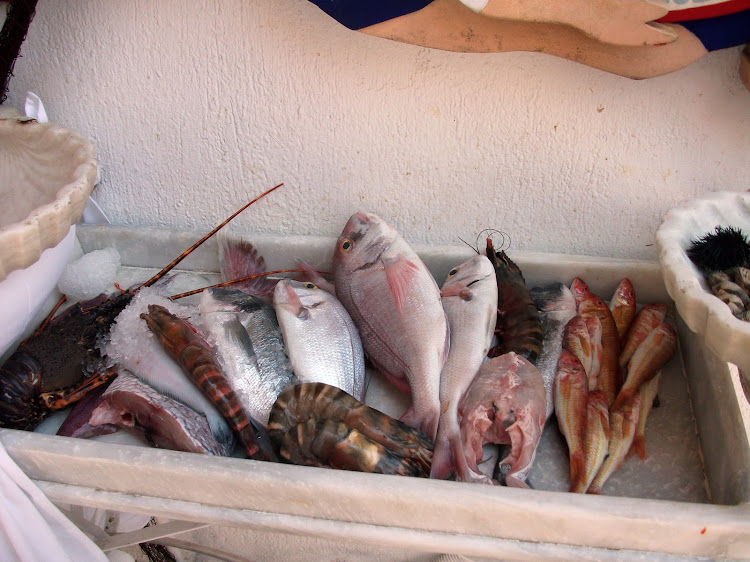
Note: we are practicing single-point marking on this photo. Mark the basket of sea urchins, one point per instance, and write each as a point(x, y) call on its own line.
point(705, 258)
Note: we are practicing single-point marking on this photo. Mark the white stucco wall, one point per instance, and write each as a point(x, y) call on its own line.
point(196, 106)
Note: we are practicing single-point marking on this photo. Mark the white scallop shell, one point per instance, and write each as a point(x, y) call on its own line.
point(725, 335)
point(46, 176)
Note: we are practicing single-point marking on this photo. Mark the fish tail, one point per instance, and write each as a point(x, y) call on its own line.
point(638, 447)
point(443, 460)
point(577, 469)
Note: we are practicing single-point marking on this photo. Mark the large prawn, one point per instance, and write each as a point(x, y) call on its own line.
point(519, 327)
point(316, 424)
point(48, 371)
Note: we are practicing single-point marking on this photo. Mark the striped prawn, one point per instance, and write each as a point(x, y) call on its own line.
point(316, 424)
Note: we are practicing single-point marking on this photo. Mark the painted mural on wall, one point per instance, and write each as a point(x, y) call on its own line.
point(634, 38)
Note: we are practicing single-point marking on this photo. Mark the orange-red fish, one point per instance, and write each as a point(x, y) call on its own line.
point(579, 288)
point(595, 439)
point(622, 306)
point(609, 373)
point(583, 338)
point(648, 393)
point(658, 348)
point(648, 318)
point(623, 423)
point(571, 394)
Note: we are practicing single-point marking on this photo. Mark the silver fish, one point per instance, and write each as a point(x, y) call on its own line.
point(504, 405)
point(469, 296)
point(133, 346)
point(557, 306)
point(246, 336)
point(131, 404)
point(322, 342)
point(395, 304)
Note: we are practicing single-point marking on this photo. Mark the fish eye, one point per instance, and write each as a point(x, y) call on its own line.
point(453, 272)
point(310, 286)
point(346, 245)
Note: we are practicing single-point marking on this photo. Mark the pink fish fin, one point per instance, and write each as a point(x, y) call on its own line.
point(400, 274)
point(295, 305)
point(457, 290)
point(238, 259)
point(309, 273)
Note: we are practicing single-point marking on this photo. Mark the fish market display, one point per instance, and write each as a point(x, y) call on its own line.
point(519, 328)
point(134, 347)
point(395, 304)
point(556, 305)
point(246, 336)
point(196, 358)
point(469, 296)
point(321, 340)
point(505, 404)
point(571, 399)
point(316, 424)
point(52, 369)
point(131, 404)
point(622, 306)
point(610, 428)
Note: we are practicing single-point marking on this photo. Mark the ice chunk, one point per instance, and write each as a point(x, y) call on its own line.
point(90, 275)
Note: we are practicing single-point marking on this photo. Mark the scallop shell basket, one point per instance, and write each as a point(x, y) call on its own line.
point(725, 335)
point(46, 176)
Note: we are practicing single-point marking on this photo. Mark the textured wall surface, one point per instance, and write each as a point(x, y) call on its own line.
point(194, 107)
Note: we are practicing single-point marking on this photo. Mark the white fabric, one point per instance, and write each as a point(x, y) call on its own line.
point(476, 5)
point(31, 528)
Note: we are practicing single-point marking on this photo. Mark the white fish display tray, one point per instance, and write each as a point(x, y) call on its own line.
point(688, 499)
point(725, 335)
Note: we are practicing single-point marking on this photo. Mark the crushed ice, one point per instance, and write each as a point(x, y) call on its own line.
point(91, 275)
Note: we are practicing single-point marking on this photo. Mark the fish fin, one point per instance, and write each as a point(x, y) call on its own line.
point(295, 305)
point(425, 423)
point(400, 273)
point(236, 332)
point(457, 290)
point(238, 259)
point(309, 273)
point(638, 447)
point(443, 460)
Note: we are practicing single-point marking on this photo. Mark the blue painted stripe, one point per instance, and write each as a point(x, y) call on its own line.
point(356, 14)
point(722, 32)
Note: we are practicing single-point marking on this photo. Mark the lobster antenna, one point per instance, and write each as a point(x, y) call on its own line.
point(469, 245)
point(187, 252)
point(233, 281)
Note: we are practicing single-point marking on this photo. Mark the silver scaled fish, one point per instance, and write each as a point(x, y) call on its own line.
point(245, 334)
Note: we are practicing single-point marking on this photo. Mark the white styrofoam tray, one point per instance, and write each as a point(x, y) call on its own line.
point(689, 498)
